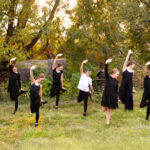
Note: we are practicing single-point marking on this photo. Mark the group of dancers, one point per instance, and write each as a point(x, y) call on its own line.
point(110, 94)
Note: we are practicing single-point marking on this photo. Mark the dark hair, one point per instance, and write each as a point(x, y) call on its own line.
point(88, 69)
point(131, 63)
point(59, 65)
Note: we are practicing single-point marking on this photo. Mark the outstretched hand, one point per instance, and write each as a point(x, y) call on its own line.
point(130, 51)
point(59, 55)
point(13, 59)
point(108, 61)
point(33, 67)
point(85, 61)
point(148, 63)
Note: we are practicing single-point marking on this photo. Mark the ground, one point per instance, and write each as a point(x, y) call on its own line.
point(67, 129)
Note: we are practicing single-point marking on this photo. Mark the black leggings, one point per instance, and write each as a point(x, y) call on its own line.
point(35, 106)
point(83, 96)
point(37, 114)
point(55, 91)
point(16, 104)
point(148, 110)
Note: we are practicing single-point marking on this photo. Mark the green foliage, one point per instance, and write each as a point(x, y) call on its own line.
point(47, 84)
point(66, 128)
point(73, 83)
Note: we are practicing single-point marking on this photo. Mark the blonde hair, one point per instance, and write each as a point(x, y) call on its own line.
point(41, 75)
point(113, 71)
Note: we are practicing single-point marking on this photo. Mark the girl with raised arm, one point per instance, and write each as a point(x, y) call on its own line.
point(57, 80)
point(146, 95)
point(85, 86)
point(14, 85)
point(110, 95)
point(126, 88)
point(36, 93)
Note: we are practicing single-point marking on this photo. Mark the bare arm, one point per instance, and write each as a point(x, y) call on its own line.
point(145, 71)
point(40, 93)
point(106, 67)
point(81, 67)
point(54, 63)
point(145, 68)
point(31, 73)
point(126, 60)
point(92, 90)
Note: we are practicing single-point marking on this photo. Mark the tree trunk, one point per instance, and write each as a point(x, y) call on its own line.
point(37, 37)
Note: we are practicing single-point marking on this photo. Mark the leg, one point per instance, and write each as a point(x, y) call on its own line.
point(144, 100)
point(57, 97)
point(108, 116)
point(85, 103)
point(53, 91)
point(37, 117)
point(104, 108)
point(148, 110)
point(16, 105)
point(80, 96)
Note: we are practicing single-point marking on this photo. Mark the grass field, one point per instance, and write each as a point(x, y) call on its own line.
point(67, 129)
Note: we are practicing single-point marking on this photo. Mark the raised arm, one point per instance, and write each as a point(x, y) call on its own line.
point(145, 68)
point(54, 63)
point(126, 60)
point(106, 68)
point(11, 64)
point(31, 73)
point(81, 67)
point(55, 60)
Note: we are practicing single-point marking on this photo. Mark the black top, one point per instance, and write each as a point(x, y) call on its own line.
point(110, 95)
point(14, 84)
point(34, 91)
point(57, 76)
point(147, 83)
point(127, 76)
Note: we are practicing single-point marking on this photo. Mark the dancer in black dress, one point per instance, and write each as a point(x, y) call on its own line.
point(36, 94)
point(110, 95)
point(146, 95)
point(57, 86)
point(85, 86)
point(14, 85)
point(126, 88)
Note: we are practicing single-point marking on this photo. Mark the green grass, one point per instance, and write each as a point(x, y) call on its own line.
point(66, 129)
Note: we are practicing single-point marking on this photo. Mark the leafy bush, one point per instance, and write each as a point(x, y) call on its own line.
point(73, 83)
point(47, 84)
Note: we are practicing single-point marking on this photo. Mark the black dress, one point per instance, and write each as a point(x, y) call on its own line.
point(14, 84)
point(126, 88)
point(146, 95)
point(35, 98)
point(110, 94)
point(57, 86)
